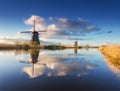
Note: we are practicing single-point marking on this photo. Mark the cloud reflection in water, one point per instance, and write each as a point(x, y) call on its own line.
point(61, 65)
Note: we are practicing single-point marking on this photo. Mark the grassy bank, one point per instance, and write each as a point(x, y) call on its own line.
point(37, 46)
point(112, 51)
point(18, 46)
point(112, 57)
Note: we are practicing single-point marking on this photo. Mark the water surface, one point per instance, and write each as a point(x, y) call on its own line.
point(60, 70)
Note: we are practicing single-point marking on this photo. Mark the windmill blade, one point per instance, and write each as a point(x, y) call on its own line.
point(42, 31)
point(31, 63)
point(41, 64)
point(25, 62)
point(26, 32)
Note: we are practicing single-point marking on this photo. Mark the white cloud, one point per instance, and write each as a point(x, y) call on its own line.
point(52, 27)
point(61, 26)
point(63, 20)
point(92, 28)
point(38, 19)
point(40, 22)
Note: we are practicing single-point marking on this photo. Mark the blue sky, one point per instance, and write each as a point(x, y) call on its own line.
point(102, 15)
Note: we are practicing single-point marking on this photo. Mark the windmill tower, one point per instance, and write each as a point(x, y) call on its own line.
point(35, 35)
point(76, 43)
point(76, 46)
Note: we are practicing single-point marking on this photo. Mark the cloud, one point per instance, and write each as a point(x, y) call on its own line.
point(80, 38)
point(63, 20)
point(105, 32)
point(109, 31)
point(91, 28)
point(12, 40)
point(38, 19)
point(72, 27)
point(74, 38)
point(21, 39)
point(61, 26)
point(40, 22)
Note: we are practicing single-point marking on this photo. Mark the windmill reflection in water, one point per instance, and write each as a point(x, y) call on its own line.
point(34, 54)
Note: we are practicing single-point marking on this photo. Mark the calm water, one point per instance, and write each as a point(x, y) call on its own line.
point(64, 70)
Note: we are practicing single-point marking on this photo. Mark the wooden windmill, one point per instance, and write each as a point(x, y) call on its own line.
point(35, 35)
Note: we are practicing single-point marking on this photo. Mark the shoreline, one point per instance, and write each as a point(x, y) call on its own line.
point(49, 47)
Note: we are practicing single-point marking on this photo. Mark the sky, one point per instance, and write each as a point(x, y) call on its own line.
point(93, 22)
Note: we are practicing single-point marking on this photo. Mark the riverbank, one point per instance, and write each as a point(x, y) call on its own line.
point(112, 57)
point(111, 50)
point(51, 47)
point(20, 46)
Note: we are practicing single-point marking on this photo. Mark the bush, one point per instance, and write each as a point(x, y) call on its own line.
point(34, 43)
point(25, 46)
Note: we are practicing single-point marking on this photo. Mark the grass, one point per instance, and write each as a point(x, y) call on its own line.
point(112, 54)
point(113, 50)
point(34, 45)
point(18, 46)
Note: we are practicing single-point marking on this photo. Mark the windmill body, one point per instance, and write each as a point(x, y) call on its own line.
point(35, 37)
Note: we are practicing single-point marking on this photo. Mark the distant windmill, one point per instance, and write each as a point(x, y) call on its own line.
point(35, 35)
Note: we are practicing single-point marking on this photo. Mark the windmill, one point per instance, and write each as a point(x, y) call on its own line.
point(35, 35)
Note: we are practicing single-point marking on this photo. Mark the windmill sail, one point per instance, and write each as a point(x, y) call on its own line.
point(26, 32)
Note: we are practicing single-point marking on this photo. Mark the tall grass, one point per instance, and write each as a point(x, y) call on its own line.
point(112, 57)
point(19, 46)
